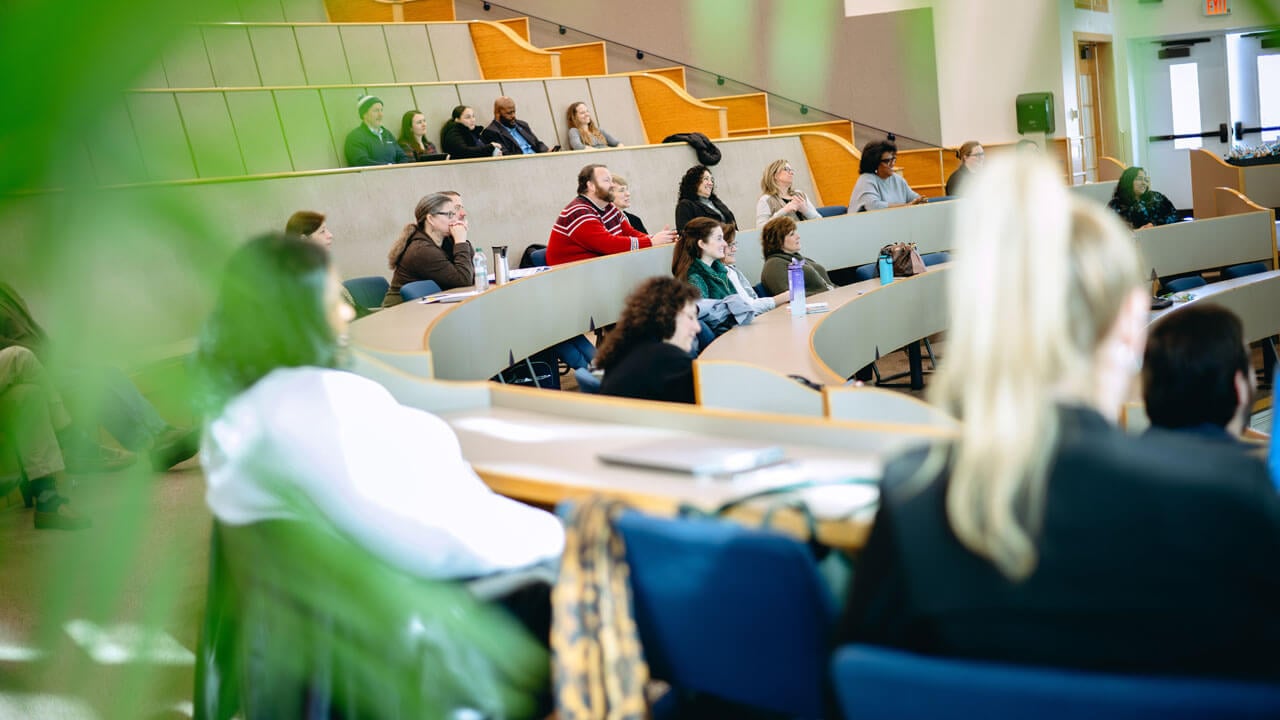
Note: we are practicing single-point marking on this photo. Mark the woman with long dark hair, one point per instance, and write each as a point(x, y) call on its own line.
point(699, 258)
point(1138, 204)
point(460, 136)
point(413, 136)
point(647, 354)
point(697, 198)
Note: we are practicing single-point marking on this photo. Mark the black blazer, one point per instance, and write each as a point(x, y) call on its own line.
point(460, 142)
point(497, 132)
point(1157, 554)
point(651, 371)
point(687, 210)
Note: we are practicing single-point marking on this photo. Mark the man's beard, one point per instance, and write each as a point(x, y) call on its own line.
point(605, 196)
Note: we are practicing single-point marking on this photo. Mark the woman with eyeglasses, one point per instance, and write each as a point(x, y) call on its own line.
point(697, 198)
point(738, 279)
point(972, 156)
point(780, 196)
point(1138, 204)
point(433, 247)
point(878, 187)
point(647, 355)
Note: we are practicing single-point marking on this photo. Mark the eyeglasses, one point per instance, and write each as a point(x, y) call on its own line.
point(731, 247)
point(977, 154)
point(788, 169)
point(451, 214)
point(709, 179)
point(1143, 178)
point(889, 160)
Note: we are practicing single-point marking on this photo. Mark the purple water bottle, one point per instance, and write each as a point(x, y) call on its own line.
point(795, 284)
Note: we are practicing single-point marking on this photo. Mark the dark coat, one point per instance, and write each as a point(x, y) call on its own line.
point(499, 133)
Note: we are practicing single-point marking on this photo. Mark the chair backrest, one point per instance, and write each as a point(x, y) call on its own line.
point(935, 258)
point(832, 210)
point(875, 683)
point(418, 288)
point(1184, 284)
point(737, 613)
point(1243, 269)
point(762, 291)
point(866, 272)
point(587, 382)
point(368, 291)
point(539, 257)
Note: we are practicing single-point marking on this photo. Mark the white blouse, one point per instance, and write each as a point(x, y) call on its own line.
point(390, 477)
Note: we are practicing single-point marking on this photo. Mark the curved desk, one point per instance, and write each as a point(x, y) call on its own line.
point(1254, 298)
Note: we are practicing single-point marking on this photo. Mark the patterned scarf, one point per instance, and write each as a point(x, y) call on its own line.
point(599, 668)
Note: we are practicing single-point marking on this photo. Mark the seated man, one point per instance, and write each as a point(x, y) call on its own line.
point(1196, 375)
point(591, 225)
point(370, 143)
point(513, 135)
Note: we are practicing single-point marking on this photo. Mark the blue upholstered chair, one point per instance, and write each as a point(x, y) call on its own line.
point(418, 288)
point(1243, 269)
point(731, 612)
point(761, 290)
point(367, 291)
point(539, 257)
point(936, 258)
point(875, 683)
point(827, 211)
point(1184, 284)
point(587, 381)
point(866, 272)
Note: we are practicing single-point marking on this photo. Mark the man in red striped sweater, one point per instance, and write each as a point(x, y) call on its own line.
point(591, 226)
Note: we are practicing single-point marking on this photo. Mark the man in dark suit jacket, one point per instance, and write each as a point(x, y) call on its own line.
point(513, 135)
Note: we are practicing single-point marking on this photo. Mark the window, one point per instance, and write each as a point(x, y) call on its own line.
point(1269, 95)
point(1184, 94)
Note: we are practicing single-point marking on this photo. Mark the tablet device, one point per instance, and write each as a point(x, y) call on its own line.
point(697, 456)
point(434, 157)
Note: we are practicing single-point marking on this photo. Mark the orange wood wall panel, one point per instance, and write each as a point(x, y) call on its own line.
point(674, 74)
point(583, 59)
point(746, 112)
point(358, 11)
point(429, 11)
point(665, 110)
point(503, 56)
point(834, 164)
point(922, 169)
point(519, 26)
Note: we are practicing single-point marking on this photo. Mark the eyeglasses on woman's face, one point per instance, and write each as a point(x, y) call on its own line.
point(451, 214)
point(888, 160)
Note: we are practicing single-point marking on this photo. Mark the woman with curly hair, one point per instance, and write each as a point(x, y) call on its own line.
point(698, 198)
point(647, 356)
point(584, 134)
point(1138, 204)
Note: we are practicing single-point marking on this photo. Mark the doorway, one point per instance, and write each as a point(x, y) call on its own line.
point(1095, 90)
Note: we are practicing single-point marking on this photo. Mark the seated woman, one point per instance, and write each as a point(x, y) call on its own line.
point(433, 247)
point(583, 133)
point(780, 242)
point(697, 198)
point(310, 226)
point(288, 433)
point(1042, 533)
point(460, 137)
point(878, 187)
point(647, 355)
point(741, 285)
point(780, 198)
point(413, 137)
point(1138, 204)
point(96, 397)
point(622, 201)
point(32, 417)
point(699, 258)
point(972, 156)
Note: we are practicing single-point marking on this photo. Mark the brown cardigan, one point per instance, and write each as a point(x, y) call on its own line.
point(423, 259)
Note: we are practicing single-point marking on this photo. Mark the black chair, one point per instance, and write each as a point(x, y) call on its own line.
point(300, 623)
point(735, 613)
point(875, 683)
point(367, 291)
point(418, 288)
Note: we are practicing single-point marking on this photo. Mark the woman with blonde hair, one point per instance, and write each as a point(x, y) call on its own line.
point(1042, 533)
point(583, 132)
point(780, 198)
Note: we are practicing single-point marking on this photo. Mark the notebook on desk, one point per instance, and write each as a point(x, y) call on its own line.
point(696, 456)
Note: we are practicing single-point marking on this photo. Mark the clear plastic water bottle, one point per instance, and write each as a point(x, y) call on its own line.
point(886, 270)
point(795, 284)
point(481, 269)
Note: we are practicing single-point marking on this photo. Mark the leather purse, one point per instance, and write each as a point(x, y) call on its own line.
point(905, 258)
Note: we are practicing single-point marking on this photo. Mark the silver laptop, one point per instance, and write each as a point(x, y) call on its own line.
point(697, 456)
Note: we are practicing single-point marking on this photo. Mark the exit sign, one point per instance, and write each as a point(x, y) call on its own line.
point(1217, 7)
